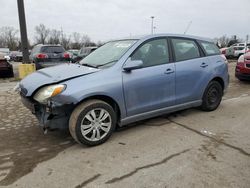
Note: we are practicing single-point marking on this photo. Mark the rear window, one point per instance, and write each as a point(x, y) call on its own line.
point(52, 49)
point(84, 51)
point(239, 48)
point(185, 49)
point(210, 48)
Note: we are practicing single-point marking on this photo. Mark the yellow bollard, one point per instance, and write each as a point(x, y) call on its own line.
point(25, 69)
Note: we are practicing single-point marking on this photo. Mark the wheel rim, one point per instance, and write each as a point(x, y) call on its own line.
point(213, 95)
point(96, 124)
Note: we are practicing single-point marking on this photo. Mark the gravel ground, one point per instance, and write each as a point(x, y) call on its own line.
point(136, 156)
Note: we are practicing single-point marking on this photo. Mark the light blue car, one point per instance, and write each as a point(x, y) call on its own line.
point(124, 81)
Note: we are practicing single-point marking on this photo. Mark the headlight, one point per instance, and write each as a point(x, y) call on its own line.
point(43, 94)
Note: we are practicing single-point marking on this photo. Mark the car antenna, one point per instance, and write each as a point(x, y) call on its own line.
point(187, 28)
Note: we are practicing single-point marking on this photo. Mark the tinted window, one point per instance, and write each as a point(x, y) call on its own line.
point(87, 50)
point(152, 53)
point(185, 49)
point(81, 51)
point(210, 48)
point(52, 49)
point(239, 48)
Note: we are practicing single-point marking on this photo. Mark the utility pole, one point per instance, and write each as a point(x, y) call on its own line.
point(246, 43)
point(152, 25)
point(23, 31)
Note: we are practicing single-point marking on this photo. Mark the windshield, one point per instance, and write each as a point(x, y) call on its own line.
point(108, 54)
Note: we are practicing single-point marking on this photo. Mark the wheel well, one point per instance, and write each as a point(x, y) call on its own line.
point(108, 100)
point(220, 80)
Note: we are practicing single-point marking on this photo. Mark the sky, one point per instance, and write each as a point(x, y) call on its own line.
point(103, 20)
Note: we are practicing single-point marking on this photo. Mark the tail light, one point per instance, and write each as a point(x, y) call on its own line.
point(223, 52)
point(41, 56)
point(66, 55)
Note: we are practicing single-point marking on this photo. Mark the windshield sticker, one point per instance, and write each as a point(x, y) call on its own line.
point(122, 45)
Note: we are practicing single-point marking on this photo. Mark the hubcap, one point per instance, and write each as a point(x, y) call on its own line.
point(213, 95)
point(96, 124)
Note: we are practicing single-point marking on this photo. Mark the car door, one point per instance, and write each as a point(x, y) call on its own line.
point(192, 70)
point(151, 87)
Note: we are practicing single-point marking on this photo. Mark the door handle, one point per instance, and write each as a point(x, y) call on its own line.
point(203, 65)
point(169, 71)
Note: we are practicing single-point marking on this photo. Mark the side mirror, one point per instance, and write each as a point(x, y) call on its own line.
point(132, 64)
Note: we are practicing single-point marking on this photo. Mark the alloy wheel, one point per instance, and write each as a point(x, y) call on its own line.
point(96, 124)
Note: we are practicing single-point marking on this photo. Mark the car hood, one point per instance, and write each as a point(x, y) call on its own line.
point(52, 75)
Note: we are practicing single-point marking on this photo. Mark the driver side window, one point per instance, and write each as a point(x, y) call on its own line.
point(154, 52)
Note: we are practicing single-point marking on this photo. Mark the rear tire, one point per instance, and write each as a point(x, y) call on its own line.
point(92, 122)
point(212, 96)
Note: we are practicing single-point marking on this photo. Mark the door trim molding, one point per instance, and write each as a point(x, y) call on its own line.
point(158, 112)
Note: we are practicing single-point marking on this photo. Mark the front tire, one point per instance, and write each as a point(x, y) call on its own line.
point(92, 122)
point(212, 96)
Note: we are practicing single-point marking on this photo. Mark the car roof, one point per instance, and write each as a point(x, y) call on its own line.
point(89, 47)
point(145, 37)
point(49, 45)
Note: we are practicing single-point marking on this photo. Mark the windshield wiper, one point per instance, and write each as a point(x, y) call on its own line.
point(89, 65)
point(106, 63)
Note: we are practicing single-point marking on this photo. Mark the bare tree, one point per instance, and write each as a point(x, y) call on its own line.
point(8, 38)
point(234, 39)
point(222, 41)
point(42, 34)
point(85, 40)
point(225, 41)
point(99, 43)
point(80, 40)
point(76, 43)
point(65, 40)
point(54, 36)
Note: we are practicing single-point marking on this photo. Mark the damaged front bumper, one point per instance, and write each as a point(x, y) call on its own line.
point(50, 116)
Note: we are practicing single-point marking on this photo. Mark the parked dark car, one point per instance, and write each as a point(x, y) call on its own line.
point(6, 69)
point(242, 70)
point(124, 81)
point(83, 52)
point(48, 55)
